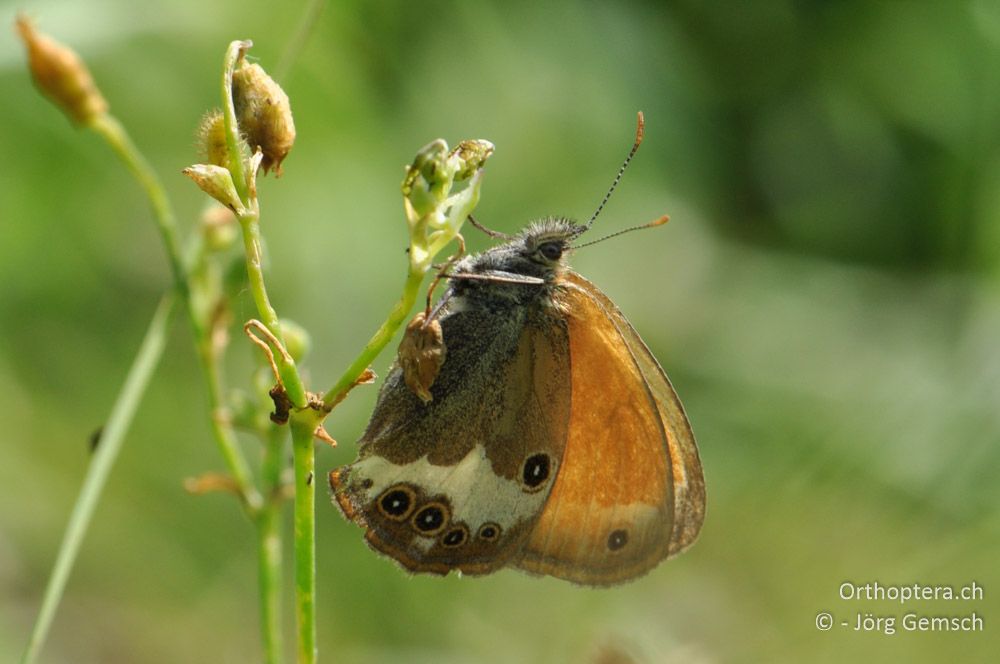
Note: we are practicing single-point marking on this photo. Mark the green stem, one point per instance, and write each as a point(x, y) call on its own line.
point(379, 340)
point(117, 138)
point(222, 430)
point(303, 423)
point(114, 134)
point(286, 365)
point(269, 544)
point(234, 143)
point(110, 444)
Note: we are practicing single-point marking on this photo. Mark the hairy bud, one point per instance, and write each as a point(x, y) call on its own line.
point(212, 138)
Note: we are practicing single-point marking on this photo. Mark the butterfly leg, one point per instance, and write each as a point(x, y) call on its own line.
point(442, 273)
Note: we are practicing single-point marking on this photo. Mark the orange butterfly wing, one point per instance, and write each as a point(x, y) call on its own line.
point(630, 490)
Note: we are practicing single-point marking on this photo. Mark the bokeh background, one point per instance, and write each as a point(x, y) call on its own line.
point(826, 300)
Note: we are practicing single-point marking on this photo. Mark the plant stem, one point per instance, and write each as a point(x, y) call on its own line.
point(234, 143)
point(110, 444)
point(250, 223)
point(114, 134)
point(303, 423)
point(269, 544)
point(379, 340)
point(286, 365)
point(222, 430)
point(303, 420)
point(108, 127)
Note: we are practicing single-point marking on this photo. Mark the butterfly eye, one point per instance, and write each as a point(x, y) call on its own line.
point(551, 250)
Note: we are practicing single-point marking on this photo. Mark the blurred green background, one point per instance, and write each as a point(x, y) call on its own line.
point(826, 300)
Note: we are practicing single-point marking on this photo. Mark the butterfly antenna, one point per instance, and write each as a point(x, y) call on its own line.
point(640, 130)
point(488, 231)
point(653, 224)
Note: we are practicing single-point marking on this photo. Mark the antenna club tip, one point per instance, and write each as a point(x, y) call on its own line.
point(640, 129)
point(662, 220)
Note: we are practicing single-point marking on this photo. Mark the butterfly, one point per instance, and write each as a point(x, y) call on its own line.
point(550, 441)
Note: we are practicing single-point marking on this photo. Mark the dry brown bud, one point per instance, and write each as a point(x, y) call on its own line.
point(264, 114)
point(61, 75)
point(421, 354)
point(217, 182)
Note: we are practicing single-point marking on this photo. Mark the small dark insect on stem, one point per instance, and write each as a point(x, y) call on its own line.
point(94, 439)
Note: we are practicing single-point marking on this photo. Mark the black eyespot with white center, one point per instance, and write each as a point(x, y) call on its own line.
point(551, 250)
point(397, 502)
point(430, 519)
point(617, 540)
point(455, 537)
point(489, 531)
point(536, 471)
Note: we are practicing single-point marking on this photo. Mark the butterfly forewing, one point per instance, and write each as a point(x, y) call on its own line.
point(686, 471)
point(629, 461)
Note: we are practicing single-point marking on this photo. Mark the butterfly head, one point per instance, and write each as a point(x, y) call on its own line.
point(521, 269)
point(538, 251)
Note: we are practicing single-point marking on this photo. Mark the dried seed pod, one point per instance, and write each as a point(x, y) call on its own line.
point(264, 114)
point(421, 354)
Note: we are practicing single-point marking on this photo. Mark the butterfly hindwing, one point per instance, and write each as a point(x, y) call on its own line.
point(457, 483)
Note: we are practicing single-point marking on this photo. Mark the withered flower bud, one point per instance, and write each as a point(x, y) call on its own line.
point(472, 155)
point(264, 114)
point(421, 354)
point(61, 75)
